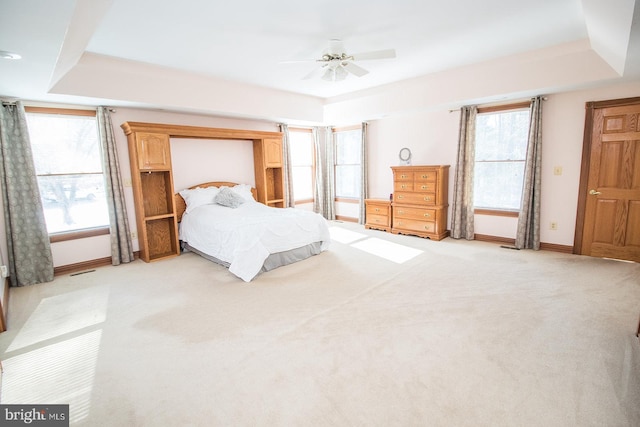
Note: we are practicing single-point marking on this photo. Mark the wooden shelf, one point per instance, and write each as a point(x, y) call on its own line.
point(162, 238)
point(155, 217)
point(278, 203)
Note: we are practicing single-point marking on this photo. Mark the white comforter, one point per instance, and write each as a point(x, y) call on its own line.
point(245, 236)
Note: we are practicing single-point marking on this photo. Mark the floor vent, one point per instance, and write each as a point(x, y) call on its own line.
point(82, 272)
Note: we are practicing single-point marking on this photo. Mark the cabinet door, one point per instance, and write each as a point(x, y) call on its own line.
point(153, 151)
point(273, 153)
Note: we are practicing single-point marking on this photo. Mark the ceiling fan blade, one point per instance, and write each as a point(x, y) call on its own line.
point(336, 47)
point(354, 69)
point(376, 54)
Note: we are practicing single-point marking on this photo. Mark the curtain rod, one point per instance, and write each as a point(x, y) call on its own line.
point(13, 102)
point(544, 98)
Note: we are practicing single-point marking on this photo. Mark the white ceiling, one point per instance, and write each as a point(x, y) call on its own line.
point(246, 41)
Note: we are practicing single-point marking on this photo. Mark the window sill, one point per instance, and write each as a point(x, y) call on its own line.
point(80, 234)
point(303, 201)
point(347, 200)
point(496, 212)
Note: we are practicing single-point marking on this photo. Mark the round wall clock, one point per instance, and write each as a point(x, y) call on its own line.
point(405, 156)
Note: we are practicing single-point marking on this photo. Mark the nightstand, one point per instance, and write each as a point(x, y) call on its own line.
point(378, 214)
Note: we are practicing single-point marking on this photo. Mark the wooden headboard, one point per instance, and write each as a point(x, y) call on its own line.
point(181, 206)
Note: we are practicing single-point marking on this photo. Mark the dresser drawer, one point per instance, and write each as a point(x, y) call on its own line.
point(377, 220)
point(403, 186)
point(425, 176)
point(425, 186)
point(377, 210)
point(415, 198)
point(414, 225)
point(403, 176)
point(414, 213)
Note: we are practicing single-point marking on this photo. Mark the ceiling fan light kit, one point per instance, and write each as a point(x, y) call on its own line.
point(334, 74)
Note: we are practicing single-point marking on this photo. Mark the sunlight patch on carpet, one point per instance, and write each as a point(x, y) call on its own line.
point(345, 236)
point(388, 250)
point(59, 373)
point(63, 314)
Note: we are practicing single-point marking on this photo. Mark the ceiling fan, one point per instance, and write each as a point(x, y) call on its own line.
point(337, 64)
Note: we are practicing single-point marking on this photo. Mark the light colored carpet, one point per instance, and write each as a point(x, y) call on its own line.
point(459, 334)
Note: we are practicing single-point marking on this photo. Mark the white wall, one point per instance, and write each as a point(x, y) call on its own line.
point(196, 161)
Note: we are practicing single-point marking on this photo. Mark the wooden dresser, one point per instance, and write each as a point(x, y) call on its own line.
point(420, 201)
point(378, 214)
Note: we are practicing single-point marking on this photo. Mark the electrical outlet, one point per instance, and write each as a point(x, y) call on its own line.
point(134, 235)
point(553, 225)
point(4, 271)
point(557, 170)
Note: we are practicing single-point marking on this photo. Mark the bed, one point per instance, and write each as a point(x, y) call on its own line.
point(223, 222)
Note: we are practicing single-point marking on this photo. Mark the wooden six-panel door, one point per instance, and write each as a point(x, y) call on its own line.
point(612, 200)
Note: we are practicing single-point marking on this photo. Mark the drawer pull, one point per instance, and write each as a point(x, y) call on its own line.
point(427, 198)
point(427, 215)
point(426, 227)
point(425, 176)
point(377, 209)
point(400, 197)
point(403, 186)
point(403, 176)
point(400, 212)
point(424, 187)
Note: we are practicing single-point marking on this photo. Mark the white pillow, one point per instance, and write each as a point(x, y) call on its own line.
point(227, 197)
point(199, 196)
point(244, 190)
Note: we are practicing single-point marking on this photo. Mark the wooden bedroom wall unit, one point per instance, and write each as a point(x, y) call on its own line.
point(420, 201)
point(152, 178)
point(152, 182)
point(267, 161)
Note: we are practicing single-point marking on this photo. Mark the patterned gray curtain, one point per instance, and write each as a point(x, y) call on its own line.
point(289, 200)
point(28, 245)
point(364, 183)
point(462, 210)
point(528, 234)
point(324, 193)
point(121, 247)
point(318, 190)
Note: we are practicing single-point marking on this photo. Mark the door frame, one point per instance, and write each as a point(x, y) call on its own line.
point(590, 107)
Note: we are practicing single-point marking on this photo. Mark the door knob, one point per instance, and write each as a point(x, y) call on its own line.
point(594, 192)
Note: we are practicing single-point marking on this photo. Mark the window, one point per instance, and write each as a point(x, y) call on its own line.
point(67, 158)
point(348, 161)
point(302, 169)
point(501, 148)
